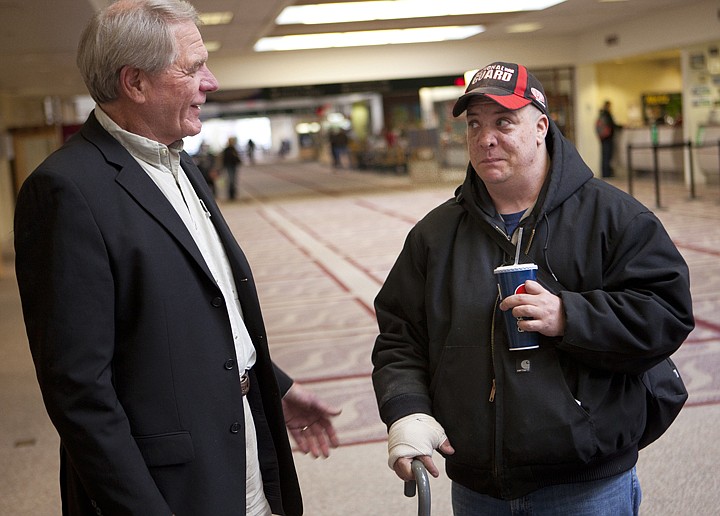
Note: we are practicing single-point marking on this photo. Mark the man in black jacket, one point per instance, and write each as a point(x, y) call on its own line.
point(556, 428)
point(140, 307)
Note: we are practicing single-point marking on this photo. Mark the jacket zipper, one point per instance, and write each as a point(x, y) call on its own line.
point(492, 327)
point(530, 240)
point(509, 237)
point(493, 390)
point(492, 356)
point(497, 451)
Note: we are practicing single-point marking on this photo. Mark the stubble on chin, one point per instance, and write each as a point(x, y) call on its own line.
point(491, 174)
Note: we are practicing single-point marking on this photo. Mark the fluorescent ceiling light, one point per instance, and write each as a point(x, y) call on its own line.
point(520, 28)
point(399, 9)
point(212, 46)
point(367, 38)
point(216, 18)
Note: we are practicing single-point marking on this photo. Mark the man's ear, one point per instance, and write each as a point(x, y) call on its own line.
point(133, 83)
point(542, 124)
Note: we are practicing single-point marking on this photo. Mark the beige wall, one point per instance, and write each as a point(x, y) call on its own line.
point(7, 196)
point(7, 204)
point(623, 84)
point(15, 112)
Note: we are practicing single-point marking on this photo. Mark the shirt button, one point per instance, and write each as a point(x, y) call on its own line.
point(235, 427)
point(230, 364)
point(217, 302)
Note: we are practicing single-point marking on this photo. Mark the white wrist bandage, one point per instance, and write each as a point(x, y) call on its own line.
point(413, 436)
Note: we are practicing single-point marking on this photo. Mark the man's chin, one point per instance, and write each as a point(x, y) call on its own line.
point(193, 128)
point(490, 174)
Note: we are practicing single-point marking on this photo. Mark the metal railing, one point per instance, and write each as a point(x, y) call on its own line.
point(656, 148)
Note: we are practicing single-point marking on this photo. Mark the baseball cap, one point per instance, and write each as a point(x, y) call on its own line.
point(508, 84)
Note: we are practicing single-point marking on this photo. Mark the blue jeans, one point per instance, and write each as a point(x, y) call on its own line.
point(615, 496)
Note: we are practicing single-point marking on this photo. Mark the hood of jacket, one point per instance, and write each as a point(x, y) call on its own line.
point(568, 172)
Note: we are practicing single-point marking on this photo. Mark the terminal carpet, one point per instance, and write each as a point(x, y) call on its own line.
point(321, 244)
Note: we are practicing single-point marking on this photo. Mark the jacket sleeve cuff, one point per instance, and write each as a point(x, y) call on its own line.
point(404, 405)
point(284, 380)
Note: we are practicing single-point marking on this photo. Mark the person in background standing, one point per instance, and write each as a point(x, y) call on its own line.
point(284, 148)
point(231, 162)
point(605, 128)
point(250, 149)
point(205, 161)
point(339, 147)
point(140, 307)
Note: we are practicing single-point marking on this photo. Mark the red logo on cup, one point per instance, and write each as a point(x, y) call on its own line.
point(520, 289)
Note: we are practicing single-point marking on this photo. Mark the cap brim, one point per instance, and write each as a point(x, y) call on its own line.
point(509, 101)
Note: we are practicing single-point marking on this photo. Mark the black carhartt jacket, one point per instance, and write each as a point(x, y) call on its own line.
point(572, 410)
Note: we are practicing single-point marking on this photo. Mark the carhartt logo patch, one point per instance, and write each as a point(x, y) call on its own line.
point(522, 366)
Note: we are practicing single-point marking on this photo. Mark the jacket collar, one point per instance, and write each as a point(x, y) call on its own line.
point(135, 181)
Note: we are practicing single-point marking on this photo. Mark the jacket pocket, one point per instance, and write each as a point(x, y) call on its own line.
point(542, 422)
point(166, 449)
point(460, 391)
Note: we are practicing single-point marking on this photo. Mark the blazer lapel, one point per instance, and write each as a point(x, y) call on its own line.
point(238, 262)
point(142, 189)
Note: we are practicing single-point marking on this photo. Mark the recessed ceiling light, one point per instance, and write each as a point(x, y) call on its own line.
point(399, 9)
point(520, 28)
point(216, 18)
point(212, 46)
point(366, 38)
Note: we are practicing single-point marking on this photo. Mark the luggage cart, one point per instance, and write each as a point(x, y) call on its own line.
point(421, 484)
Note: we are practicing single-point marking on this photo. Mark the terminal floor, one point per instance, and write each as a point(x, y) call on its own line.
point(321, 243)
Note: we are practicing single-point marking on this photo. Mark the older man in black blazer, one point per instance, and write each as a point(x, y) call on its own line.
point(140, 307)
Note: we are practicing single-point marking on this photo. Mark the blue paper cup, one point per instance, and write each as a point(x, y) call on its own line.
point(511, 281)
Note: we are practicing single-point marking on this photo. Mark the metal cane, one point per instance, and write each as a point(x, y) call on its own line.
point(422, 485)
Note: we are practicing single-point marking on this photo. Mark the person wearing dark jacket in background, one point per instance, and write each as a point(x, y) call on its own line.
point(205, 161)
point(605, 128)
point(556, 427)
point(140, 307)
point(250, 149)
point(231, 162)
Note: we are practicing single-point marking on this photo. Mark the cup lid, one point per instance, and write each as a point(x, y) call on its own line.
point(515, 267)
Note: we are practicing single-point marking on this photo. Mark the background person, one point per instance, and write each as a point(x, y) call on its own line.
point(605, 128)
point(250, 149)
point(231, 162)
point(140, 307)
point(339, 147)
point(554, 428)
point(205, 161)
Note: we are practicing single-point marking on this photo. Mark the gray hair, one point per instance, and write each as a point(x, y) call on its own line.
point(137, 33)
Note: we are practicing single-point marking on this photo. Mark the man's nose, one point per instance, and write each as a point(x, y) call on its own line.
point(485, 137)
point(209, 82)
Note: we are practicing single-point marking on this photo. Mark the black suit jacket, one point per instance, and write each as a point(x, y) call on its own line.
point(132, 344)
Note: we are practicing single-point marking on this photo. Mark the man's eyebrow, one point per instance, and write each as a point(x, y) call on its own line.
point(197, 64)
